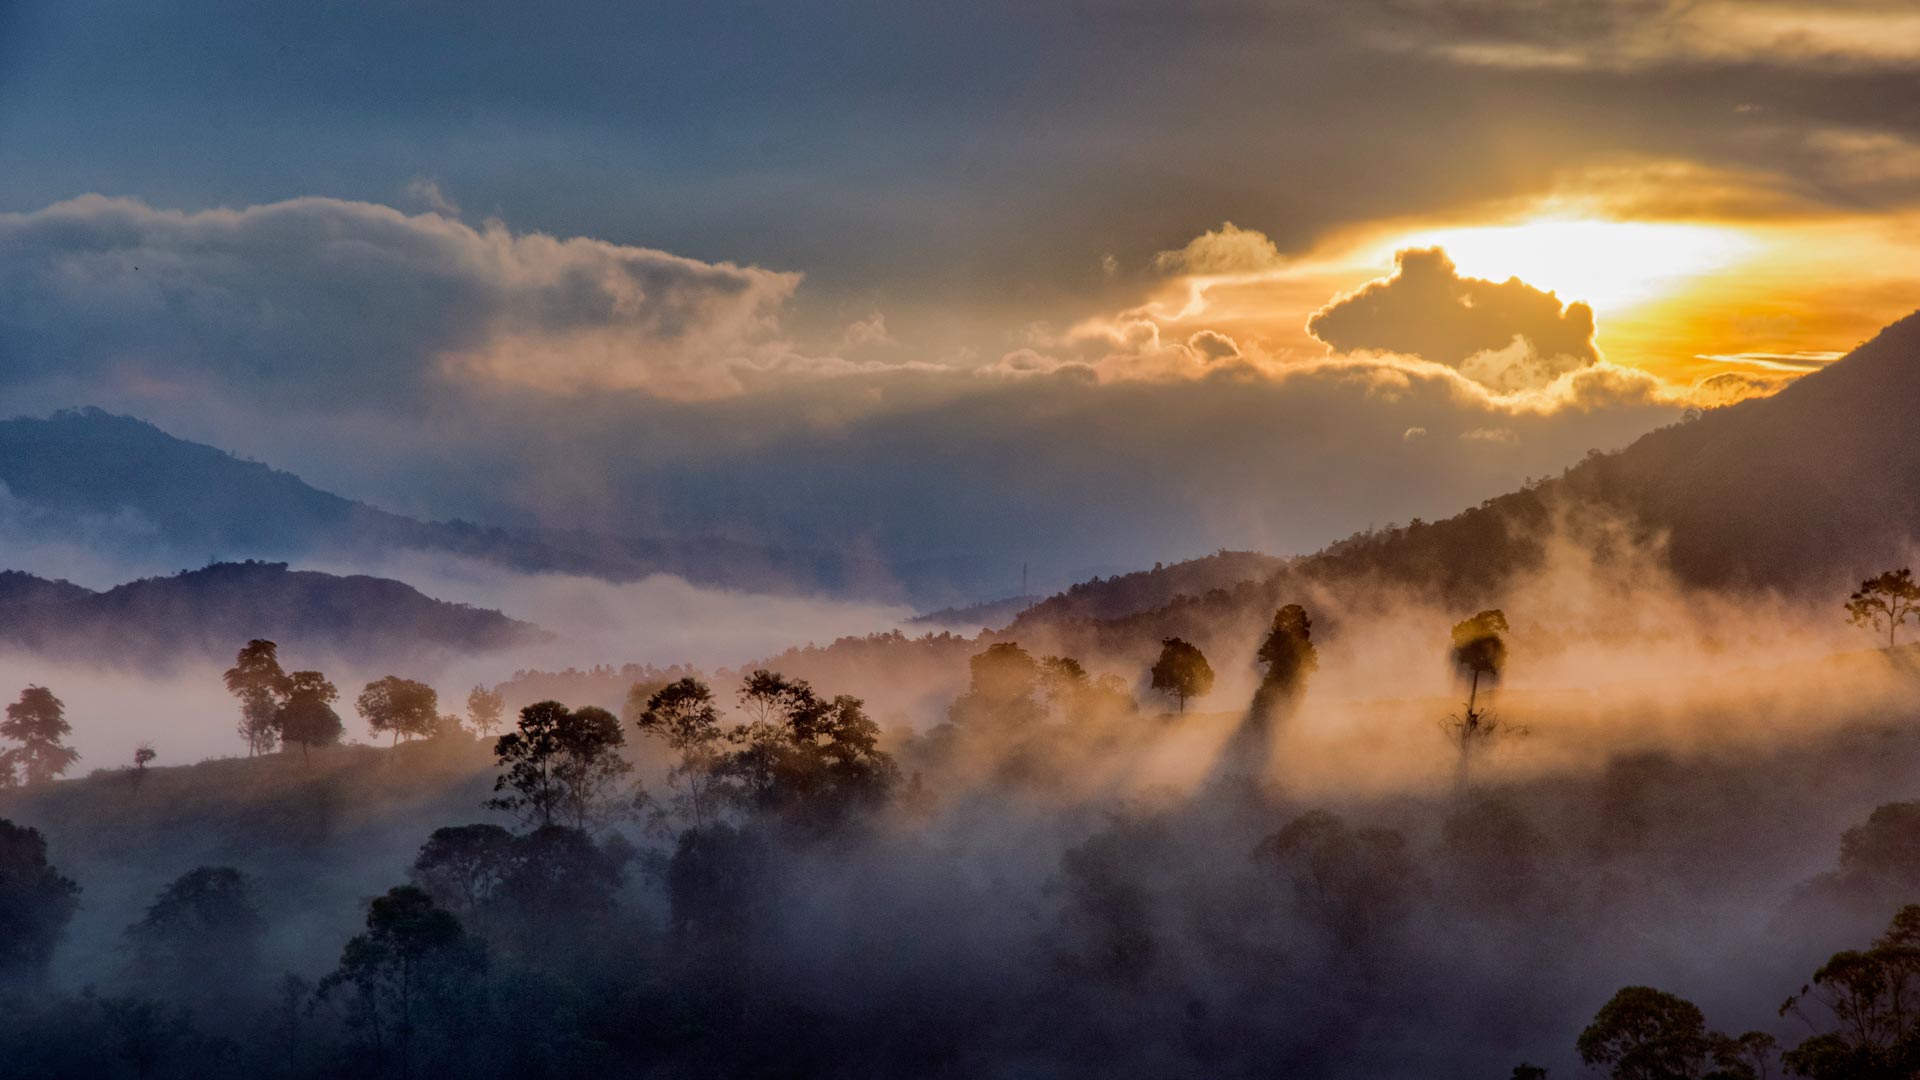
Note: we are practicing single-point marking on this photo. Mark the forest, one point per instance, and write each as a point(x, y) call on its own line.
point(1073, 874)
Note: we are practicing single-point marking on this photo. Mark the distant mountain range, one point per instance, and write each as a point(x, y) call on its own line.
point(210, 613)
point(89, 474)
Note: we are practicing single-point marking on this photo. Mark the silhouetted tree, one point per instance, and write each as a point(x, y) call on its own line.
point(307, 716)
point(400, 707)
point(1480, 656)
point(143, 756)
point(411, 973)
point(1526, 1071)
point(485, 708)
point(682, 715)
point(806, 759)
point(1884, 602)
point(561, 767)
point(1002, 690)
point(1647, 1034)
point(1182, 672)
point(1871, 1000)
point(36, 903)
point(38, 722)
point(1355, 883)
point(463, 866)
point(1288, 657)
point(200, 937)
point(257, 680)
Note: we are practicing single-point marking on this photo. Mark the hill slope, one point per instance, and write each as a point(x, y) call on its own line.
point(85, 473)
point(210, 612)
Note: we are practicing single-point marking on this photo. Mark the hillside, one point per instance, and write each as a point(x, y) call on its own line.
point(90, 475)
point(206, 613)
point(1802, 493)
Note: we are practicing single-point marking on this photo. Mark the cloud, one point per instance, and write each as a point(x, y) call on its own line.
point(1507, 336)
point(1226, 250)
point(323, 301)
point(1211, 345)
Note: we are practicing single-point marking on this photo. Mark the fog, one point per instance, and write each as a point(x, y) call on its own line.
point(1037, 878)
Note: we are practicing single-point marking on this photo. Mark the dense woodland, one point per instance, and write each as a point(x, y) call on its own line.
point(763, 881)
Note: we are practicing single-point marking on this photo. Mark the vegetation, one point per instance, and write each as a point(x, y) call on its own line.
point(1182, 672)
point(1884, 603)
point(38, 723)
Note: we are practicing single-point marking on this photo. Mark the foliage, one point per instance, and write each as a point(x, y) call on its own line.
point(1181, 672)
point(409, 975)
point(202, 931)
point(484, 710)
point(258, 681)
point(36, 903)
point(683, 716)
point(1646, 1034)
point(400, 707)
point(38, 722)
point(562, 767)
point(306, 716)
point(1871, 1000)
point(1884, 602)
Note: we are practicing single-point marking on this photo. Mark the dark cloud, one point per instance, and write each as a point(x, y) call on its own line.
point(1507, 335)
point(330, 303)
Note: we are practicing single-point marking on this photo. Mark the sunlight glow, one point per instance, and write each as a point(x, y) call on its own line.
point(1612, 265)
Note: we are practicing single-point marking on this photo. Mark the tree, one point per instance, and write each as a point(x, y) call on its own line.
point(484, 710)
point(1355, 883)
point(561, 767)
point(1871, 998)
point(1288, 657)
point(199, 937)
point(402, 707)
point(1647, 1034)
point(256, 679)
point(307, 716)
point(808, 760)
point(143, 755)
point(682, 715)
point(409, 973)
point(36, 903)
point(1002, 692)
point(463, 866)
point(1884, 602)
point(1182, 672)
point(38, 721)
point(1479, 655)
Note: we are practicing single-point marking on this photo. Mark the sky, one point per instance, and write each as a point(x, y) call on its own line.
point(1081, 285)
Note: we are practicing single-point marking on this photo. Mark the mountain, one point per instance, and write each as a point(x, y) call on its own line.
point(89, 474)
point(211, 612)
point(1803, 493)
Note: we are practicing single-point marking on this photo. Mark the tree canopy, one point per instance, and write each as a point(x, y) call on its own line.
point(1181, 672)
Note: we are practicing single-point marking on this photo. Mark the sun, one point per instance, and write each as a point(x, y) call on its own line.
point(1612, 265)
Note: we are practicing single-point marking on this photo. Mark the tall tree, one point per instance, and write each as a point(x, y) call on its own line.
point(561, 766)
point(257, 680)
point(808, 760)
point(199, 938)
point(1002, 691)
point(1479, 655)
point(409, 974)
point(38, 722)
point(307, 716)
point(485, 709)
point(1181, 672)
point(682, 715)
point(400, 707)
point(36, 903)
point(1871, 1001)
point(1884, 602)
point(1647, 1034)
point(1288, 657)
